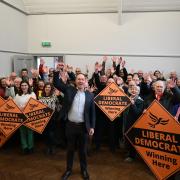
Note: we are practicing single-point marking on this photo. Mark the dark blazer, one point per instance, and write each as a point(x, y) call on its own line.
point(168, 100)
point(69, 94)
point(132, 113)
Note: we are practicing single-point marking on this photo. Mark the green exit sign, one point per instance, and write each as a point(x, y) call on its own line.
point(46, 44)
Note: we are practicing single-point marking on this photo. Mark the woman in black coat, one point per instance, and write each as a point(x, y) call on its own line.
point(131, 114)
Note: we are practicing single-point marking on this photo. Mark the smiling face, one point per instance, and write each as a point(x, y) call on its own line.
point(134, 91)
point(80, 81)
point(136, 80)
point(103, 78)
point(3, 82)
point(47, 89)
point(24, 87)
point(41, 85)
point(159, 87)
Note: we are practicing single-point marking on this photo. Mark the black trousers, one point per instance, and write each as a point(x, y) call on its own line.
point(76, 135)
point(49, 132)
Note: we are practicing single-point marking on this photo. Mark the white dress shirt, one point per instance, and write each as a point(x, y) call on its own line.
point(76, 113)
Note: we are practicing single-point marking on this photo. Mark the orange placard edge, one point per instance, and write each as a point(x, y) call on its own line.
point(154, 173)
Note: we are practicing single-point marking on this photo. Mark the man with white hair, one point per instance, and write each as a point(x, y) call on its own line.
point(166, 99)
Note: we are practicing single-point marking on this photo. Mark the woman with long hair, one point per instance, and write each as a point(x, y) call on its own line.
point(51, 100)
point(21, 99)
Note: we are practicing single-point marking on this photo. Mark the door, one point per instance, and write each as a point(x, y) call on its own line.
point(20, 62)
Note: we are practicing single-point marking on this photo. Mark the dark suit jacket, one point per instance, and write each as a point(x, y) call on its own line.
point(69, 94)
point(132, 113)
point(168, 100)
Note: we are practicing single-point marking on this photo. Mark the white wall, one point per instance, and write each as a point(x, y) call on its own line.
point(13, 36)
point(150, 34)
point(13, 28)
point(6, 66)
point(17, 3)
point(141, 33)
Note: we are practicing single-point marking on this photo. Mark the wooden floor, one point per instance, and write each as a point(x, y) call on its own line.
point(102, 165)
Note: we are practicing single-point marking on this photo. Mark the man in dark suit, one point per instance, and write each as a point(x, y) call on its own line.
point(166, 99)
point(79, 112)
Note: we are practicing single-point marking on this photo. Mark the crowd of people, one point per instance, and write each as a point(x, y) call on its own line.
point(76, 121)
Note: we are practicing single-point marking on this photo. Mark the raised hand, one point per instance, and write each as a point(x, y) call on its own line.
point(105, 58)
point(92, 88)
point(112, 70)
point(119, 81)
point(114, 58)
point(57, 92)
point(123, 63)
point(8, 82)
point(35, 73)
point(132, 71)
point(100, 67)
point(65, 68)
point(172, 83)
point(147, 78)
point(45, 69)
point(96, 67)
point(120, 60)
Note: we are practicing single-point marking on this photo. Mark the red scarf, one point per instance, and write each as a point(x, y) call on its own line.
point(158, 96)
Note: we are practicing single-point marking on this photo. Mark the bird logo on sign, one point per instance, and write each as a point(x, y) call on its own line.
point(111, 91)
point(9, 107)
point(32, 106)
point(156, 121)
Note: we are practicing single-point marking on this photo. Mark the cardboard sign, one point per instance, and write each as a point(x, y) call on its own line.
point(2, 101)
point(156, 136)
point(112, 101)
point(38, 115)
point(11, 118)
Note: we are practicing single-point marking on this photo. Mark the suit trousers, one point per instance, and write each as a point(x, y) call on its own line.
point(76, 135)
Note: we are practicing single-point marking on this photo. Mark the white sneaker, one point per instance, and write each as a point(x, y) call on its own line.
point(129, 159)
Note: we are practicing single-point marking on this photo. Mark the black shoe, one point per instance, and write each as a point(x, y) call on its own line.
point(66, 175)
point(31, 150)
point(25, 151)
point(47, 151)
point(85, 175)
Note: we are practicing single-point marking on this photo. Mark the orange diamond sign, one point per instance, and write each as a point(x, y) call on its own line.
point(156, 137)
point(38, 115)
point(112, 101)
point(11, 118)
point(2, 101)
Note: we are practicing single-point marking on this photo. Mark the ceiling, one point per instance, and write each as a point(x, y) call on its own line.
point(96, 6)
